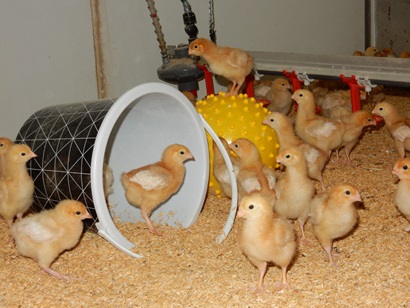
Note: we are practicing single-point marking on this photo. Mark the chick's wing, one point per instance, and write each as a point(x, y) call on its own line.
point(153, 178)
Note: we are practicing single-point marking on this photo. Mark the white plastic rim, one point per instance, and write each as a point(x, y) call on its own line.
point(134, 132)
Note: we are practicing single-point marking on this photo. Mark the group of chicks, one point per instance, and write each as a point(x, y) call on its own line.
point(388, 52)
point(267, 202)
point(42, 236)
point(269, 199)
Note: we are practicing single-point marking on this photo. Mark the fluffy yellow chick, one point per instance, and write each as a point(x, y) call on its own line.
point(45, 235)
point(355, 122)
point(279, 96)
point(16, 185)
point(370, 51)
point(149, 186)
point(294, 189)
point(253, 175)
point(326, 134)
point(315, 157)
point(5, 145)
point(232, 63)
point(397, 125)
point(265, 237)
point(402, 197)
point(333, 215)
point(220, 169)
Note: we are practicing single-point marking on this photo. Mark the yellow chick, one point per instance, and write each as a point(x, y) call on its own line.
point(253, 175)
point(333, 215)
point(397, 124)
point(16, 185)
point(315, 157)
point(149, 186)
point(45, 235)
point(324, 133)
point(265, 237)
point(402, 170)
point(294, 189)
point(232, 63)
point(279, 96)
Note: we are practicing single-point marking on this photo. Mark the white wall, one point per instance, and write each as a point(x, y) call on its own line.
point(46, 58)
point(46, 53)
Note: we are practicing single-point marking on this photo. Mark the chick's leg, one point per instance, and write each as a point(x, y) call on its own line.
point(151, 227)
point(53, 273)
point(328, 248)
point(262, 271)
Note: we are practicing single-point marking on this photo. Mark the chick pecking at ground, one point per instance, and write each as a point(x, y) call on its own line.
point(265, 237)
point(333, 215)
point(397, 124)
point(402, 196)
point(149, 186)
point(232, 63)
point(16, 185)
point(45, 235)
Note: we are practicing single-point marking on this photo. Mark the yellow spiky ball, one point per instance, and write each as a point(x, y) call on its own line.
point(233, 117)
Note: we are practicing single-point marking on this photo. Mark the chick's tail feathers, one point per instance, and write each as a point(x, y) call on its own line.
point(124, 180)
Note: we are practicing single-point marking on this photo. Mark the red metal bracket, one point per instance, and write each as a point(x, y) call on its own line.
point(354, 91)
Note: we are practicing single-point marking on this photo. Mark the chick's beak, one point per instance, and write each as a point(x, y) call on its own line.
point(240, 213)
point(86, 216)
point(32, 154)
point(357, 197)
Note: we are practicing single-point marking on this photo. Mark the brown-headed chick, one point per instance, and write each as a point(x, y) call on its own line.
point(397, 124)
point(402, 196)
point(265, 237)
point(232, 63)
point(294, 189)
point(45, 235)
point(149, 186)
point(16, 185)
point(333, 215)
point(315, 157)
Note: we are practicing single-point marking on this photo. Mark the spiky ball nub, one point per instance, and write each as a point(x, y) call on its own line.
point(233, 117)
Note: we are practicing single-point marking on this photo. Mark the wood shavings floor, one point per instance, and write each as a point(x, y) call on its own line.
point(187, 268)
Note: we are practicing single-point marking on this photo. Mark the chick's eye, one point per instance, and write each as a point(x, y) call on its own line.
point(347, 192)
point(1, 144)
point(195, 46)
point(23, 154)
point(78, 213)
point(287, 156)
point(381, 108)
point(236, 146)
point(182, 152)
point(251, 207)
point(300, 95)
point(283, 84)
point(272, 120)
point(405, 167)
